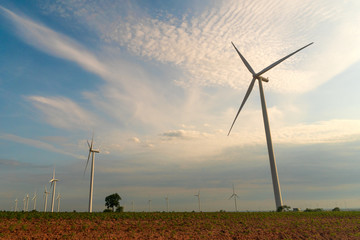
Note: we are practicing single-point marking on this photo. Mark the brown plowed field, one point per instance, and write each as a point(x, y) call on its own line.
point(264, 225)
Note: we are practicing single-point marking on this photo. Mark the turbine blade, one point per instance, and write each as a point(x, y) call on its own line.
point(231, 197)
point(281, 60)
point(92, 140)
point(243, 102)
point(88, 143)
point(244, 60)
point(87, 162)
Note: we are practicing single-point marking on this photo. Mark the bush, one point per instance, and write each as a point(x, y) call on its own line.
point(336, 209)
point(119, 209)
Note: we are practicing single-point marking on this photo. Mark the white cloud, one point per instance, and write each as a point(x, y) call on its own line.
point(200, 45)
point(56, 44)
point(63, 113)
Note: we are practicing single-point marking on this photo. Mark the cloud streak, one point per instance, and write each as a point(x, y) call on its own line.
point(63, 113)
point(55, 44)
point(38, 144)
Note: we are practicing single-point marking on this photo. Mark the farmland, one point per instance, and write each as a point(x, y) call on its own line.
point(218, 225)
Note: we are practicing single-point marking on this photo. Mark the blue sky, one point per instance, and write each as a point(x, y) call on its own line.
point(159, 84)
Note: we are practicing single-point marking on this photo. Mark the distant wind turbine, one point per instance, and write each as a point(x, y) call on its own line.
point(167, 203)
point(58, 203)
point(198, 196)
point(45, 198)
point(235, 196)
point(34, 200)
point(149, 205)
point(53, 185)
point(27, 202)
point(24, 201)
point(16, 202)
point(257, 76)
point(92, 152)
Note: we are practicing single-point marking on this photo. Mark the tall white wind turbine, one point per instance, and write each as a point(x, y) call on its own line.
point(235, 196)
point(58, 203)
point(34, 200)
point(257, 76)
point(92, 152)
point(16, 202)
point(53, 185)
point(198, 197)
point(45, 198)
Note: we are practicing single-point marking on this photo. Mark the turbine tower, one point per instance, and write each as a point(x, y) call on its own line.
point(167, 203)
point(132, 205)
point(27, 202)
point(92, 152)
point(24, 201)
point(257, 76)
point(45, 198)
point(149, 205)
point(34, 200)
point(16, 202)
point(58, 203)
point(235, 196)
point(198, 196)
point(53, 185)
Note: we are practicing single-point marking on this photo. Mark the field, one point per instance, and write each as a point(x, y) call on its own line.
point(219, 225)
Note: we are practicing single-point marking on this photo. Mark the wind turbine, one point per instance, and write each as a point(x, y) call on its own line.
point(27, 202)
point(58, 204)
point(34, 200)
point(16, 202)
point(45, 198)
point(198, 196)
point(53, 185)
point(149, 205)
point(92, 152)
point(167, 203)
point(24, 201)
point(234, 195)
point(257, 76)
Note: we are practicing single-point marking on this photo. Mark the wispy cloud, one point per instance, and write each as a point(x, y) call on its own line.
point(9, 163)
point(54, 43)
point(37, 144)
point(63, 113)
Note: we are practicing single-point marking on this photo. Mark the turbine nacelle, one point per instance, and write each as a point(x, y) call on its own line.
point(262, 78)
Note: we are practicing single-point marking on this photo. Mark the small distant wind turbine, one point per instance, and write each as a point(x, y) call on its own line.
point(24, 201)
point(16, 202)
point(149, 205)
point(27, 202)
point(257, 76)
point(53, 185)
point(34, 200)
point(45, 198)
point(92, 152)
point(58, 204)
point(167, 203)
point(198, 196)
point(235, 196)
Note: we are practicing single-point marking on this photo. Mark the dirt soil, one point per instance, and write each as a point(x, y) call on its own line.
point(186, 226)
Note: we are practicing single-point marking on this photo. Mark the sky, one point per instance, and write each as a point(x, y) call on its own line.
point(159, 84)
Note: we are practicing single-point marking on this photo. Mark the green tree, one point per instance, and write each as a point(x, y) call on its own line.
point(283, 208)
point(112, 201)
